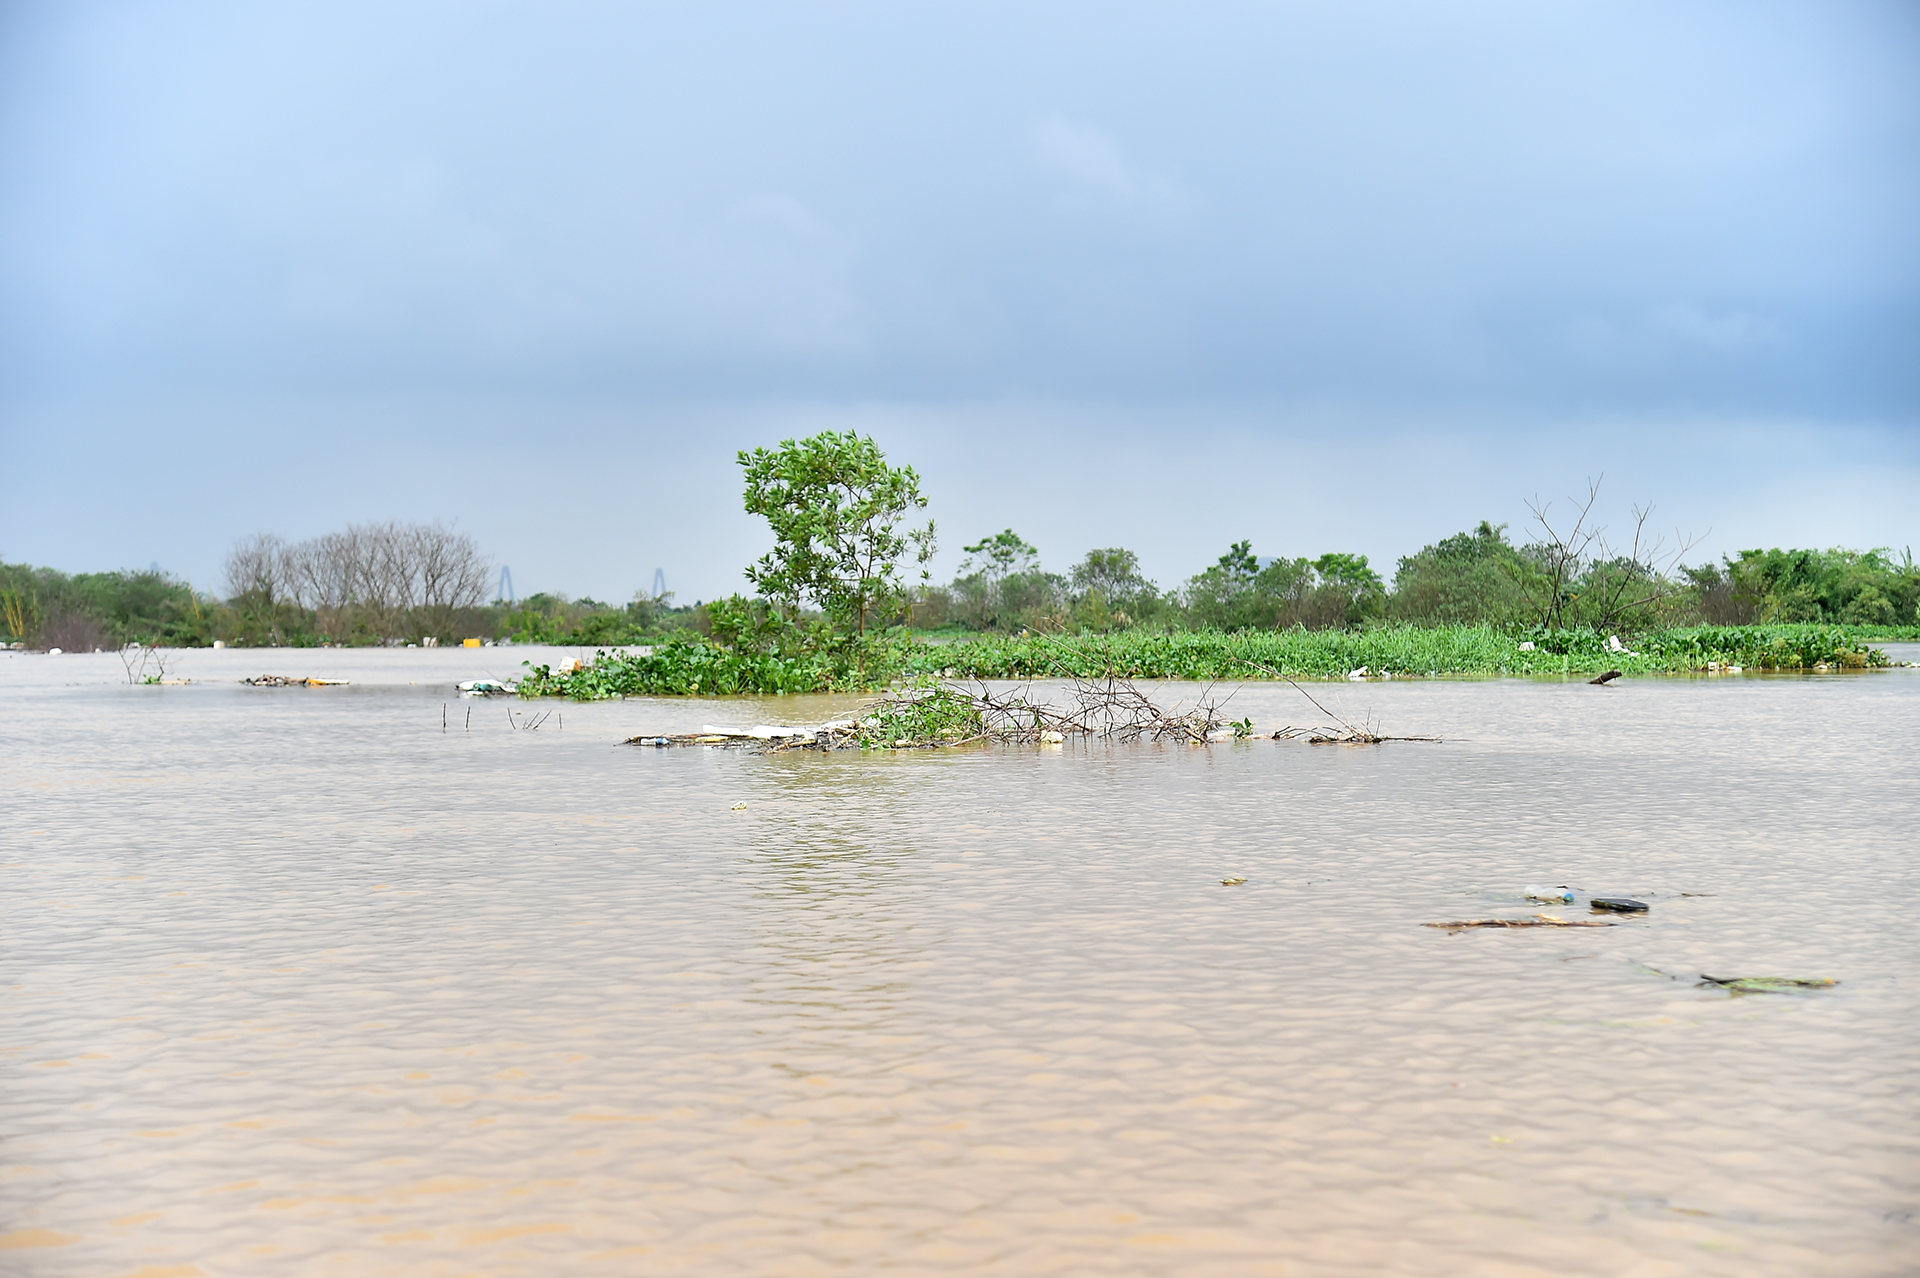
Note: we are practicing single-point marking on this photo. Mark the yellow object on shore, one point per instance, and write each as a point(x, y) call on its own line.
point(469, 643)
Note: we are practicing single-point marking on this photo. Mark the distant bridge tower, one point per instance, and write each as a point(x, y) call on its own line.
point(506, 584)
point(659, 583)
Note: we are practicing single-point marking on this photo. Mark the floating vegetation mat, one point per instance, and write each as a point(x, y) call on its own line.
point(1765, 984)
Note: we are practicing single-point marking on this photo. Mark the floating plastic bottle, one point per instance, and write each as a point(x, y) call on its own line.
point(1559, 894)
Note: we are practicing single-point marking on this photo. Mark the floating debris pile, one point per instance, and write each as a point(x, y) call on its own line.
point(938, 711)
point(1615, 905)
point(731, 739)
point(282, 681)
point(933, 713)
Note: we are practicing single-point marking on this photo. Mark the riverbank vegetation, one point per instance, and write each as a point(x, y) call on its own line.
point(1402, 651)
point(843, 600)
point(690, 666)
point(45, 608)
point(836, 611)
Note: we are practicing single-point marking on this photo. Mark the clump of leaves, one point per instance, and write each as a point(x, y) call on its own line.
point(684, 666)
point(1766, 984)
point(926, 712)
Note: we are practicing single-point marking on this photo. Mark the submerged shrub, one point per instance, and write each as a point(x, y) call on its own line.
point(681, 667)
point(926, 712)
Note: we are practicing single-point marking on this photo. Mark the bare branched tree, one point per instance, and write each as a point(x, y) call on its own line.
point(257, 570)
point(384, 581)
point(1562, 552)
point(145, 664)
point(1582, 578)
point(320, 578)
point(1628, 589)
point(452, 574)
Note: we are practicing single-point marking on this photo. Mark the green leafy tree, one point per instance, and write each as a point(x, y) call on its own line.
point(1234, 593)
point(45, 607)
point(1469, 578)
point(1240, 593)
point(999, 556)
point(837, 510)
point(1345, 578)
point(1860, 587)
point(1221, 596)
point(1113, 574)
point(750, 625)
point(1001, 584)
point(1110, 591)
point(977, 596)
point(1239, 566)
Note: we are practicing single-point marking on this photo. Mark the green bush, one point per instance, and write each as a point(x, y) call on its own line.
point(43, 606)
point(691, 665)
point(1470, 578)
point(1850, 587)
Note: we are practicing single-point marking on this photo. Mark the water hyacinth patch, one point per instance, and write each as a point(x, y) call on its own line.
point(682, 667)
point(1404, 651)
point(694, 666)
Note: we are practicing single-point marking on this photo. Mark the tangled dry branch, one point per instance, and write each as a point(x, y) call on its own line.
point(1110, 708)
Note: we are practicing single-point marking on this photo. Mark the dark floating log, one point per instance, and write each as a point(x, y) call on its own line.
point(1605, 678)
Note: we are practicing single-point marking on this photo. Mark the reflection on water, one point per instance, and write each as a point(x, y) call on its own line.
point(298, 983)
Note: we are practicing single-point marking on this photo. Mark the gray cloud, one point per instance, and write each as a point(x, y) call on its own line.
point(766, 214)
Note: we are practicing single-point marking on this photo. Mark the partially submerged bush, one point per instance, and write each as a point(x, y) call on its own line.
point(690, 665)
point(926, 712)
point(1762, 647)
point(685, 666)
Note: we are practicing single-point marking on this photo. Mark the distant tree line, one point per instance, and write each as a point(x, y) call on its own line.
point(836, 606)
point(1474, 577)
point(375, 583)
point(45, 608)
point(839, 572)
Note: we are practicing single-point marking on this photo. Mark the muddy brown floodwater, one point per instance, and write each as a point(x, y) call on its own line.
point(297, 983)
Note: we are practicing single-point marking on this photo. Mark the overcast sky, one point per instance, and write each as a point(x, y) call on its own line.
point(1338, 276)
